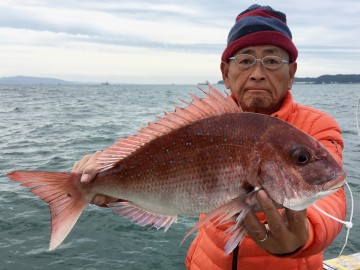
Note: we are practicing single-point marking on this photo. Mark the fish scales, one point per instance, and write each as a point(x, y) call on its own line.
point(191, 170)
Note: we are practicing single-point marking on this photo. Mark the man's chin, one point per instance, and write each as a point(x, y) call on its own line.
point(256, 105)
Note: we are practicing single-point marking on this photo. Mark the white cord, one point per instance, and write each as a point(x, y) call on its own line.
point(348, 224)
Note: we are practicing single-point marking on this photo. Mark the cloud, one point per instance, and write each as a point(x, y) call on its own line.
point(86, 31)
point(141, 24)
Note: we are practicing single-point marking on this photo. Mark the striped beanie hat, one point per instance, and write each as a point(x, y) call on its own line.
point(260, 25)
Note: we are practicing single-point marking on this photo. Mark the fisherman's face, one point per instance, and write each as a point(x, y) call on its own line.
point(258, 89)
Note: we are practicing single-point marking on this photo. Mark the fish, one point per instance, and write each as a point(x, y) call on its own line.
point(208, 157)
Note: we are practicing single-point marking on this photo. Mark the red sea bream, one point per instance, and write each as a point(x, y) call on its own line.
point(208, 157)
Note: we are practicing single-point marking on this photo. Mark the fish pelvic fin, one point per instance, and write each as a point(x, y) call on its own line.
point(236, 208)
point(64, 197)
point(214, 103)
point(142, 217)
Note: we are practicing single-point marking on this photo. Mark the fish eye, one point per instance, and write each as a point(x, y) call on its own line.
point(301, 156)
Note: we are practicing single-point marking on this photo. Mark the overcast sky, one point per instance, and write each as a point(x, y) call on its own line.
point(162, 41)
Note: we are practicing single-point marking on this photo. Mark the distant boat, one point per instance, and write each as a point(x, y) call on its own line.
point(105, 83)
point(203, 83)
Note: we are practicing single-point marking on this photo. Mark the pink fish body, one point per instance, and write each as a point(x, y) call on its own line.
point(206, 158)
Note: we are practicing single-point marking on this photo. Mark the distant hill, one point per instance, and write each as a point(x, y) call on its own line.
point(327, 79)
point(32, 80)
point(330, 79)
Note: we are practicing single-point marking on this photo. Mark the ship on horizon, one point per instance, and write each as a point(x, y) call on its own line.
point(203, 83)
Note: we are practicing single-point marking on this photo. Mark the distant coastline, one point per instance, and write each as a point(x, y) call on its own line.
point(331, 79)
point(26, 80)
point(327, 79)
point(324, 79)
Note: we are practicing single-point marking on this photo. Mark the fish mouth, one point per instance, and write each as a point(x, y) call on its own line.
point(327, 189)
point(336, 183)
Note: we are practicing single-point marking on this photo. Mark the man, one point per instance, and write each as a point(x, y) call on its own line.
point(258, 66)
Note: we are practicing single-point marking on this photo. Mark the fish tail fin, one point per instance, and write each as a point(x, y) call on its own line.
point(63, 194)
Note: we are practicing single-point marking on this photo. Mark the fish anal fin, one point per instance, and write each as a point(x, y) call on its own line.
point(141, 216)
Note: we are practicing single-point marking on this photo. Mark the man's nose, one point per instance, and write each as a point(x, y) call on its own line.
point(257, 71)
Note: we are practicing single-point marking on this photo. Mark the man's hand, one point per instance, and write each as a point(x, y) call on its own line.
point(88, 167)
point(284, 233)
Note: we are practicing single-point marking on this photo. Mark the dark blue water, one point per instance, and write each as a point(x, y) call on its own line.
point(51, 127)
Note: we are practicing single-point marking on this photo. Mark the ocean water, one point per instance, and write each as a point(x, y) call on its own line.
point(51, 127)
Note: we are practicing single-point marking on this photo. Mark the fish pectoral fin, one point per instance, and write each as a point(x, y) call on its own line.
point(237, 231)
point(224, 214)
point(142, 217)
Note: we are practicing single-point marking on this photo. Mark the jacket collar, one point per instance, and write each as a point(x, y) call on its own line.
point(285, 108)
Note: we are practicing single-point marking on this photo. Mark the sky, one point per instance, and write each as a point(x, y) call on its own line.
point(162, 42)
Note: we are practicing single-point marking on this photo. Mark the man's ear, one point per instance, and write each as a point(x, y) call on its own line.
point(292, 71)
point(224, 66)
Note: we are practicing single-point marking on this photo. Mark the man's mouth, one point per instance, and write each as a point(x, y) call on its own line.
point(256, 90)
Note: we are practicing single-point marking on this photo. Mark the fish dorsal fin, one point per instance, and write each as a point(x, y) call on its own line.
point(214, 103)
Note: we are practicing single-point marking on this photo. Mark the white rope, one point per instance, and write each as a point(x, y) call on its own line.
point(348, 224)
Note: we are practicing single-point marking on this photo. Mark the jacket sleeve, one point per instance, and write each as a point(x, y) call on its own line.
point(322, 229)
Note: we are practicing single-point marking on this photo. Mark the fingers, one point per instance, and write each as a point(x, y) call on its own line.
point(261, 232)
point(283, 232)
point(273, 218)
point(88, 174)
point(255, 228)
point(296, 219)
point(87, 166)
point(78, 166)
point(298, 224)
point(102, 200)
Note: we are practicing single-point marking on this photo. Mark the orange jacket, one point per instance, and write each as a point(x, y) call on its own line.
point(206, 251)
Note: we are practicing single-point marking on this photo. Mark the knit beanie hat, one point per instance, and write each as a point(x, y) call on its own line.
point(260, 25)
